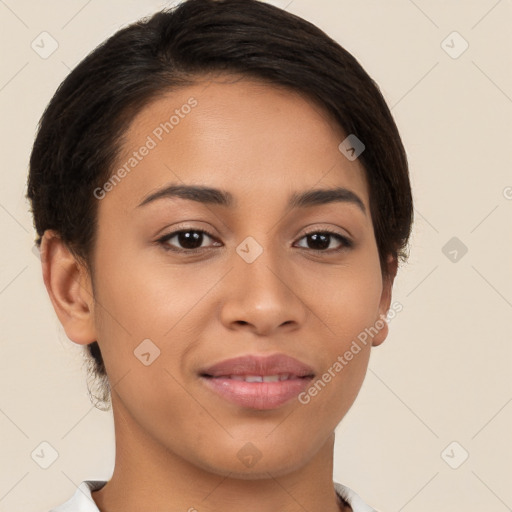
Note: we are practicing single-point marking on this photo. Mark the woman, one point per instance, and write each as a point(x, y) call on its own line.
point(222, 200)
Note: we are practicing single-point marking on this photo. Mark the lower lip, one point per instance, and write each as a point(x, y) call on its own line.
point(257, 395)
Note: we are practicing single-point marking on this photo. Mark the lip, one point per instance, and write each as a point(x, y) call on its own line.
point(258, 395)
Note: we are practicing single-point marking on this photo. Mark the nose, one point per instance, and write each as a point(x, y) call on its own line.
point(263, 296)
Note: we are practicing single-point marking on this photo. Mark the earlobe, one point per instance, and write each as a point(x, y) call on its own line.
point(68, 285)
point(385, 301)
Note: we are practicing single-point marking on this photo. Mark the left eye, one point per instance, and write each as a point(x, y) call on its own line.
point(323, 238)
point(191, 240)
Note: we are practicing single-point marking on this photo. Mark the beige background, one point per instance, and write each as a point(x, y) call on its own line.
point(442, 375)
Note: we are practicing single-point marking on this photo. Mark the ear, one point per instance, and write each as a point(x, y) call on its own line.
point(69, 287)
point(385, 301)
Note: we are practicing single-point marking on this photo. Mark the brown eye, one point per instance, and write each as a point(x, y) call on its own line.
point(321, 240)
point(186, 239)
point(192, 240)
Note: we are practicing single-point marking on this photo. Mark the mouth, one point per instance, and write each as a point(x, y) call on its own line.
point(257, 382)
point(258, 378)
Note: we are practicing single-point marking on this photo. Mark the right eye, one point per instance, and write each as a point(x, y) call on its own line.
point(190, 240)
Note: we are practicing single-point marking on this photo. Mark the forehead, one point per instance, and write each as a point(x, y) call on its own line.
point(234, 133)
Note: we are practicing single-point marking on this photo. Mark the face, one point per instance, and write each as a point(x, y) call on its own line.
point(182, 284)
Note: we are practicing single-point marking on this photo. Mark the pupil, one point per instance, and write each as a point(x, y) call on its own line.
point(321, 239)
point(189, 241)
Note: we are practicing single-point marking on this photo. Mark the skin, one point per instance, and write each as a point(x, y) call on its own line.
point(177, 441)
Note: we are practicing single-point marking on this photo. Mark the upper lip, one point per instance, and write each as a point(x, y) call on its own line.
point(259, 365)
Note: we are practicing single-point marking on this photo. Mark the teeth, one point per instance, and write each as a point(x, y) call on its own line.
point(261, 378)
point(253, 378)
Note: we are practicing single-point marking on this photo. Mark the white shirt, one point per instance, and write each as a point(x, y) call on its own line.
point(82, 500)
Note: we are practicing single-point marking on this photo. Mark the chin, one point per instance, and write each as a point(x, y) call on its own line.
point(241, 466)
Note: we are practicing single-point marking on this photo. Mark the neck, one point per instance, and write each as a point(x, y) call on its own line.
point(148, 476)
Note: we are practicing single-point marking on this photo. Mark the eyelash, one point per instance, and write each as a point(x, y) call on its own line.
point(346, 243)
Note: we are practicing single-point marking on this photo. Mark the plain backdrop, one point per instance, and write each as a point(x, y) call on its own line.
point(431, 427)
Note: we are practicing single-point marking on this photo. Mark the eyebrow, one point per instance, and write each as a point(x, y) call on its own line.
point(208, 195)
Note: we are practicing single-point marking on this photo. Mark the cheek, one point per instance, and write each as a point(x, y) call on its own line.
point(148, 308)
point(145, 298)
point(345, 299)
